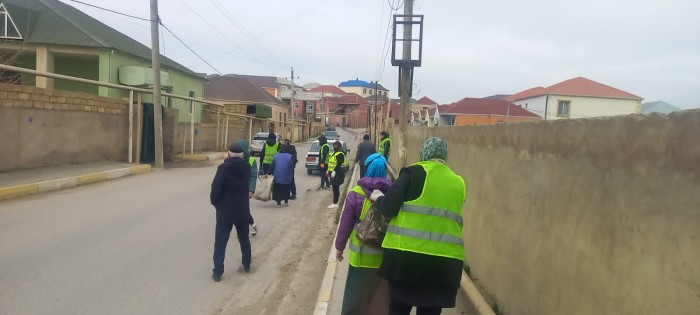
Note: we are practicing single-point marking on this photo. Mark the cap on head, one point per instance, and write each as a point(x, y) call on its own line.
point(236, 148)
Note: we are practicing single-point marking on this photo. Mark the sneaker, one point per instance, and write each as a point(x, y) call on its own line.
point(216, 277)
point(254, 229)
point(244, 269)
point(293, 197)
point(333, 206)
point(286, 204)
point(279, 206)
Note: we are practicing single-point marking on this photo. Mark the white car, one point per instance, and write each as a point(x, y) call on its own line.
point(313, 155)
point(258, 141)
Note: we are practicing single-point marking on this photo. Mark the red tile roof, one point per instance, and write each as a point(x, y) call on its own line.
point(425, 101)
point(480, 106)
point(576, 87)
point(330, 89)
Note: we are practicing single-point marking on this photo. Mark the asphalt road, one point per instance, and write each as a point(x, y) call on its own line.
point(143, 245)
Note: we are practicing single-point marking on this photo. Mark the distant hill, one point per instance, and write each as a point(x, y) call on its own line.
point(659, 108)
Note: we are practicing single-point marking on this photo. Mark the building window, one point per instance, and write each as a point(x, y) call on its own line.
point(296, 105)
point(310, 107)
point(364, 91)
point(9, 29)
point(563, 108)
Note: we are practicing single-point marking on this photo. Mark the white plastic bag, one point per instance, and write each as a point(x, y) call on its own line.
point(263, 188)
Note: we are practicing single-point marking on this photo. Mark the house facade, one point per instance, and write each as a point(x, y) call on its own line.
point(577, 98)
point(424, 103)
point(363, 88)
point(478, 111)
point(86, 48)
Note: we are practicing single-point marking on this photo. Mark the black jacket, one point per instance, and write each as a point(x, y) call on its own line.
point(323, 151)
point(408, 268)
point(229, 190)
point(365, 149)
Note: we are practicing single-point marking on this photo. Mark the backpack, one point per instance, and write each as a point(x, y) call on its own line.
point(372, 228)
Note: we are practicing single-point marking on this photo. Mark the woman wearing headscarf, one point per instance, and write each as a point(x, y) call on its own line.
point(336, 172)
point(365, 292)
point(282, 167)
point(423, 247)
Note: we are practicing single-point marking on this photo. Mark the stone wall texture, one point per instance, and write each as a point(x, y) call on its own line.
point(42, 127)
point(583, 216)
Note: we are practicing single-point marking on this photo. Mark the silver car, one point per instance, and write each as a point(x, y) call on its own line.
point(258, 141)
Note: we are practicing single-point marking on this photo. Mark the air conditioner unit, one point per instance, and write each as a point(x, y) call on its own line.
point(141, 76)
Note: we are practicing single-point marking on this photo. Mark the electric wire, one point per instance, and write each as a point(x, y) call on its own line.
point(190, 49)
point(108, 10)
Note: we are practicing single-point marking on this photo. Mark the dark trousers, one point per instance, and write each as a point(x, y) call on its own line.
point(223, 231)
point(363, 169)
point(398, 308)
point(251, 221)
point(266, 169)
point(324, 179)
point(293, 187)
point(336, 193)
point(365, 293)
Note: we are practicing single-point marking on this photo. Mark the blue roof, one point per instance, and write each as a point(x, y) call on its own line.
point(356, 82)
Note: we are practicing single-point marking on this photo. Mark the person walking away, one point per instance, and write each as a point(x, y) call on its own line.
point(423, 247)
point(336, 172)
point(267, 154)
point(384, 145)
point(365, 149)
point(323, 154)
point(253, 180)
point(230, 197)
point(365, 292)
point(282, 168)
point(291, 149)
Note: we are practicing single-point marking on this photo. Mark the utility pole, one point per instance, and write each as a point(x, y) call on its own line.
point(374, 111)
point(404, 87)
point(157, 110)
point(292, 109)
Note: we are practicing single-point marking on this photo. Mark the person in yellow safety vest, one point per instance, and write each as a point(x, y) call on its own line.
point(384, 145)
point(323, 153)
point(252, 182)
point(363, 283)
point(423, 247)
point(336, 171)
point(267, 154)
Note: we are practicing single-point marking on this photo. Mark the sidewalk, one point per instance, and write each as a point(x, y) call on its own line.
point(14, 184)
point(203, 156)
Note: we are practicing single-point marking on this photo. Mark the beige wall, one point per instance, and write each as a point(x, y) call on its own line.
point(586, 107)
point(45, 127)
point(585, 216)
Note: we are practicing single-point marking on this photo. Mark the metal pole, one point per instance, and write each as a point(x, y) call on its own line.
point(507, 112)
point(292, 109)
point(250, 130)
point(157, 110)
point(405, 85)
point(218, 122)
point(139, 126)
point(192, 113)
point(226, 132)
point(131, 126)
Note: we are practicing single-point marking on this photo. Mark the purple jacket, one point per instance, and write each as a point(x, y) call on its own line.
point(353, 207)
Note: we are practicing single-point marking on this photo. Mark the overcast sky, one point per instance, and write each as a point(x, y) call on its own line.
point(649, 48)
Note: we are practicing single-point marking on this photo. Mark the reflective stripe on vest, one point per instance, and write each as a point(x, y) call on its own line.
point(432, 223)
point(362, 255)
point(333, 160)
point(382, 146)
point(270, 152)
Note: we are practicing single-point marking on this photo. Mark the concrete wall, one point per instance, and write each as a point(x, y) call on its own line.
point(45, 127)
point(585, 216)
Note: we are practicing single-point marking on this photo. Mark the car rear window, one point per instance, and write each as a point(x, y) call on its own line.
point(259, 138)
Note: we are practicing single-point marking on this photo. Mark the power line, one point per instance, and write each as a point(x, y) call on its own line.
point(190, 49)
point(243, 30)
point(108, 10)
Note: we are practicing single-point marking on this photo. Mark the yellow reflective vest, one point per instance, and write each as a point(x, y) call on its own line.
point(362, 255)
point(431, 224)
point(382, 146)
point(333, 160)
point(270, 152)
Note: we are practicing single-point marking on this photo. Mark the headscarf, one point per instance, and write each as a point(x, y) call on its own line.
point(376, 166)
point(244, 144)
point(434, 148)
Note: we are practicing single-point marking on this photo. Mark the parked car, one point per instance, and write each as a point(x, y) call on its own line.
point(330, 128)
point(312, 156)
point(259, 140)
point(331, 135)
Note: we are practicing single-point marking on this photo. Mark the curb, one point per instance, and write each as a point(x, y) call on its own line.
point(17, 191)
point(326, 290)
point(202, 157)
